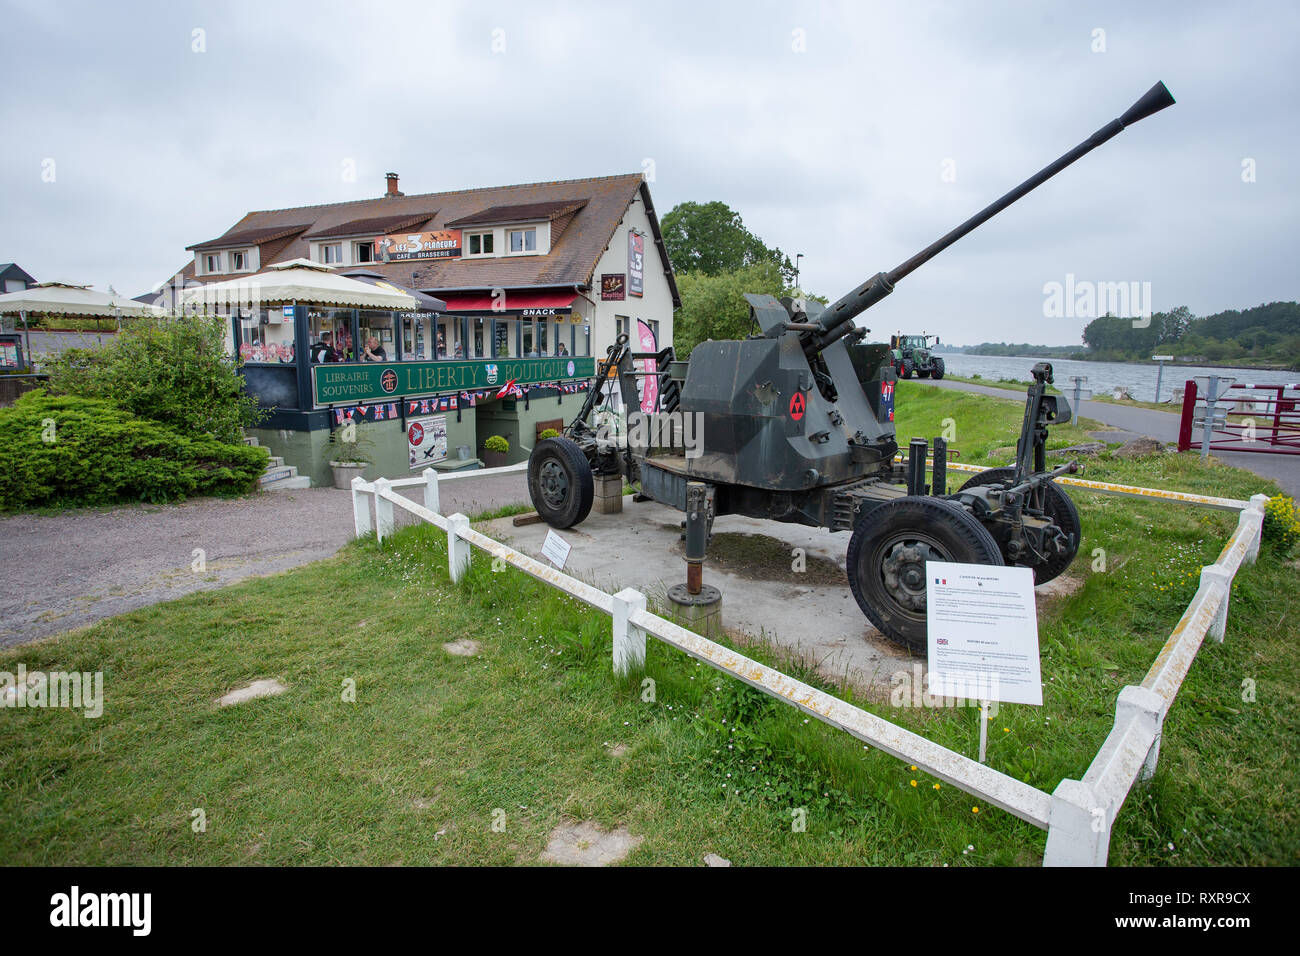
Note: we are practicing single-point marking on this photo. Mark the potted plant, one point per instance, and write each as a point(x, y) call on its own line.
point(349, 454)
point(495, 450)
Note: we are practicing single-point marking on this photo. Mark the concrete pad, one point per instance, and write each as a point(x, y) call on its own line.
point(812, 614)
point(462, 648)
point(259, 688)
point(586, 844)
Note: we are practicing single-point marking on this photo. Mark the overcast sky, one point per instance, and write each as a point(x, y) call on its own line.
point(829, 127)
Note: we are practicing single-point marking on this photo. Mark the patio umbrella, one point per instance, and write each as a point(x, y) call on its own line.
point(68, 298)
point(299, 281)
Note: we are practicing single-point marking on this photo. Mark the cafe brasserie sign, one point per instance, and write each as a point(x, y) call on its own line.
point(349, 383)
point(440, 244)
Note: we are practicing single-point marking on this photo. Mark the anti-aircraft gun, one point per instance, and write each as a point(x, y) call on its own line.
point(797, 425)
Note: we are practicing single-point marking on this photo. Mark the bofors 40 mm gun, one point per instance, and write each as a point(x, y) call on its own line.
point(798, 426)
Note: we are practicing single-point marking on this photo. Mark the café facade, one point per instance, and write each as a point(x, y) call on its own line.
point(514, 293)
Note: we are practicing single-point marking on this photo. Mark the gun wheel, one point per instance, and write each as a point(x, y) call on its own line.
point(560, 483)
point(1057, 506)
point(888, 554)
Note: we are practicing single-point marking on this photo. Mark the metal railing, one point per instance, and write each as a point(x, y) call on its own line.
point(1077, 815)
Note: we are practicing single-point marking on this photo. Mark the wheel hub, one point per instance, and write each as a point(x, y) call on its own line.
point(554, 483)
point(904, 571)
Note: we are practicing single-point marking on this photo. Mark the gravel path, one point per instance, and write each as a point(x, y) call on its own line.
point(71, 569)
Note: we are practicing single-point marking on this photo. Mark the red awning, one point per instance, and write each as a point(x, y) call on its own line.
point(512, 301)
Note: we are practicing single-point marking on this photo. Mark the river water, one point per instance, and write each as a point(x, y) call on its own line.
point(1102, 377)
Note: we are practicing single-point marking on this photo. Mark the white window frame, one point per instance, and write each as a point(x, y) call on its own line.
point(325, 248)
point(208, 258)
point(469, 237)
point(248, 260)
point(357, 245)
point(511, 230)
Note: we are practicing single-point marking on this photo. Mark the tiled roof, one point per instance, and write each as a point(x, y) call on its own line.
point(520, 212)
point(374, 226)
point(598, 206)
point(249, 237)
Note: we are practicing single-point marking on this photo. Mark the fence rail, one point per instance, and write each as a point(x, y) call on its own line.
point(1077, 815)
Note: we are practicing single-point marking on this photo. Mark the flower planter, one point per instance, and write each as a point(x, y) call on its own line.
point(345, 471)
point(494, 459)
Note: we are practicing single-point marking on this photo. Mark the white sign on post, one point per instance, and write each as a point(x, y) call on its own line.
point(555, 549)
point(983, 633)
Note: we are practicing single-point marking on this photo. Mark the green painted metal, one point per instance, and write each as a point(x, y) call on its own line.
point(352, 383)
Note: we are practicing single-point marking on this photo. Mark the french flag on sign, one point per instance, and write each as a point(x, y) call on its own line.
point(940, 580)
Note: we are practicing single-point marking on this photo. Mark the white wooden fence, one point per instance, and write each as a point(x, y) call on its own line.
point(1077, 815)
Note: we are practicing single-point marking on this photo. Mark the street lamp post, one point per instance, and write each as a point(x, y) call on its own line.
point(797, 257)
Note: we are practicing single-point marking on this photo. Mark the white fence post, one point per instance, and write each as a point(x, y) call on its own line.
point(1078, 830)
point(383, 509)
point(360, 508)
point(629, 640)
point(1257, 504)
point(431, 491)
point(458, 549)
point(1146, 708)
point(1212, 573)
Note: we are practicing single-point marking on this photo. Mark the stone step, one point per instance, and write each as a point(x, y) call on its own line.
point(277, 474)
point(288, 484)
point(251, 440)
point(275, 461)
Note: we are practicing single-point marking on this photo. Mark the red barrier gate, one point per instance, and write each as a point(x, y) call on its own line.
point(1260, 418)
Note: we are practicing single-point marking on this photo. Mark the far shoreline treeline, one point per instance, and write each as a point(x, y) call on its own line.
point(1264, 337)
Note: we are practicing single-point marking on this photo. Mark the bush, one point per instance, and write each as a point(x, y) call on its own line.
point(1281, 522)
point(68, 450)
point(548, 433)
point(497, 443)
point(174, 371)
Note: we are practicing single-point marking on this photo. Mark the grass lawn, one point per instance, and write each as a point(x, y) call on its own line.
point(535, 730)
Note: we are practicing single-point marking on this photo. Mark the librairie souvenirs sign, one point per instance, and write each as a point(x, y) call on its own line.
point(376, 381)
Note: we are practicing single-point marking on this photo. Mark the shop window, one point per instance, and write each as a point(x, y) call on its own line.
point(504, 338)
point(480, 244)
point(479, 329)
point(542, 327)
point(364, 252)
point(584, 339)
point(529, 340)
point(522, 241)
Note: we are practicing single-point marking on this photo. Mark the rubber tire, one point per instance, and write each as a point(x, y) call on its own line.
point(582, 487)
point(922, 373)
point(956, 532)
point(1059, 507)
point(907, 368)
point(938, 370)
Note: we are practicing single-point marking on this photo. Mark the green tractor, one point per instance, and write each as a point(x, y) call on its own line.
point(912, 353)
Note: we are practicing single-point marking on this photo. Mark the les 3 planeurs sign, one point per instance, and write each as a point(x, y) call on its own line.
point(375, 382)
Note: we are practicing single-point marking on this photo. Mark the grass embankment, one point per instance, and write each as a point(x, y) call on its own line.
point(536, 725)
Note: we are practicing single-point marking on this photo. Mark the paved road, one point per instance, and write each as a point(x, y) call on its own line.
point(71, 569)
point(1284, 469)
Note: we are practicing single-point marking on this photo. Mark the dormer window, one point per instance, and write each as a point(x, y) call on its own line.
point(332, 254)
point(522, 241)
point(479, 244)
point(364, 252)
point(238, 261)
point(212, 263)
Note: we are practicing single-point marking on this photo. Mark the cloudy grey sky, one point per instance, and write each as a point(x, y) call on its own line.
point(827, 126)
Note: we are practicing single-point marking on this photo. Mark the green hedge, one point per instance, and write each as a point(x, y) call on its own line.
point(68, 450)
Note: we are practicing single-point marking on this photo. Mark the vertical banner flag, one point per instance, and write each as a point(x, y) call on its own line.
point(635, 263)
point(650, 383)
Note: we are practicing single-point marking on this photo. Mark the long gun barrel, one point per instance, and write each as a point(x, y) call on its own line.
point(837, 319)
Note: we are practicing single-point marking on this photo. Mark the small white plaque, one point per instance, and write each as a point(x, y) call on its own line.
point(983, 633)
point(555, 549)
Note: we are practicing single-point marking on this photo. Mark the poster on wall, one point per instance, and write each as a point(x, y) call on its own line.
point(649, 383)
point(426, 441)
point(635, 263)
point(9, 354)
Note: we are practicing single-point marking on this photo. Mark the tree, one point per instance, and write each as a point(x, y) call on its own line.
point(711, 238)
point(714, 306)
